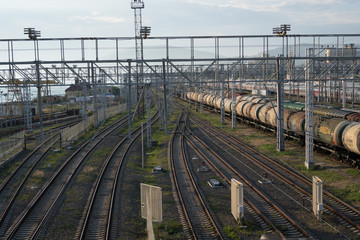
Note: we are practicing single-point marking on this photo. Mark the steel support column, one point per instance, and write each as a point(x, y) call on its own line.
point(148, 115)
point(309, 112)
point(280, 104)
point(38, 85)
point(344, 94)
point(27, 105)
point(222, 110)
point(85, 101)
point(233, 105)
point(165, 103)
point(129, 98)
point(94, 82)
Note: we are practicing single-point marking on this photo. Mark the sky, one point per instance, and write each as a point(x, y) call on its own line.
point(110, 18)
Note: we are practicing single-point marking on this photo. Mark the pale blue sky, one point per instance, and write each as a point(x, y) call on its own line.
point(82, 18)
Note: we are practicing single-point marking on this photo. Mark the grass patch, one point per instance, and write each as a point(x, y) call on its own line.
point(36, 180)
point(73, 195)
point(137, 228)
point(100, 153)
point(327, 176)
point(150, 179)
point(170, 229)
point(237, 232)
point(8, 168)
point(250, 137)
point(353, 172)
point(25, 198)
point(86, 177)
point(350, 193)
point(271, 149)
point(52, 158)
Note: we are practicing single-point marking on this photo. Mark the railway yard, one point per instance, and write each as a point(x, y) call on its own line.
point(90, 188)
point(180, 137)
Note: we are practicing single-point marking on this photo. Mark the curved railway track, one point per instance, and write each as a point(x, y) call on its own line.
point(200, 221)
point(99, 219)
point(17, 178)
point(28, 224)
point(14, 183)
point(346, 214)
point(280, 221)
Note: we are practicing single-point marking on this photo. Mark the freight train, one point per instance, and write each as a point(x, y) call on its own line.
point(333, 129)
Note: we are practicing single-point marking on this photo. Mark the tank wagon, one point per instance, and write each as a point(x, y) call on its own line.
point(333, 128)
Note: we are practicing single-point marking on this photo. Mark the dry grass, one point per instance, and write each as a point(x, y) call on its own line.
point(38, 174)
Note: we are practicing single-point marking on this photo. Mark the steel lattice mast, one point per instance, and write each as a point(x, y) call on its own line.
point(137, 5)
point(141, 33)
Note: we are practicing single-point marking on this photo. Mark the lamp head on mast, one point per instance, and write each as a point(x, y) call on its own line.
point(282, 30)
point(137, 4)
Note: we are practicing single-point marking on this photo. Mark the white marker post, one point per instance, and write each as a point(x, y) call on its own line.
point(237, 200)
point(151, 206)
point(317, 190)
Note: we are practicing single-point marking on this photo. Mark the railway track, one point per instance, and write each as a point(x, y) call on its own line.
point(14, 183)
point(295, 186)
point(270, 212)
point(346, 214)
point(30, 222)
point(200, 221)
point(99, 220)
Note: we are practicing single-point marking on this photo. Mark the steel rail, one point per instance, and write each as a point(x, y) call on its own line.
point(174, 177)
point(94, 192)
point(285, 179)
point(25, 178)
point(39, 195)
point(204, 205)
point(252, 187)
point(229, 182)
point(109, 222)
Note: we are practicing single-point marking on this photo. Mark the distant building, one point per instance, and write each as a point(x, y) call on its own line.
point(76, 90)
point(349, 50)
point(15, 109)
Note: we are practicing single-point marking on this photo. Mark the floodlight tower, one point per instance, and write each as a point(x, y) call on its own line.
point(33, 35)
point(280, 32)
point(137, 5)
point(141, 32)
